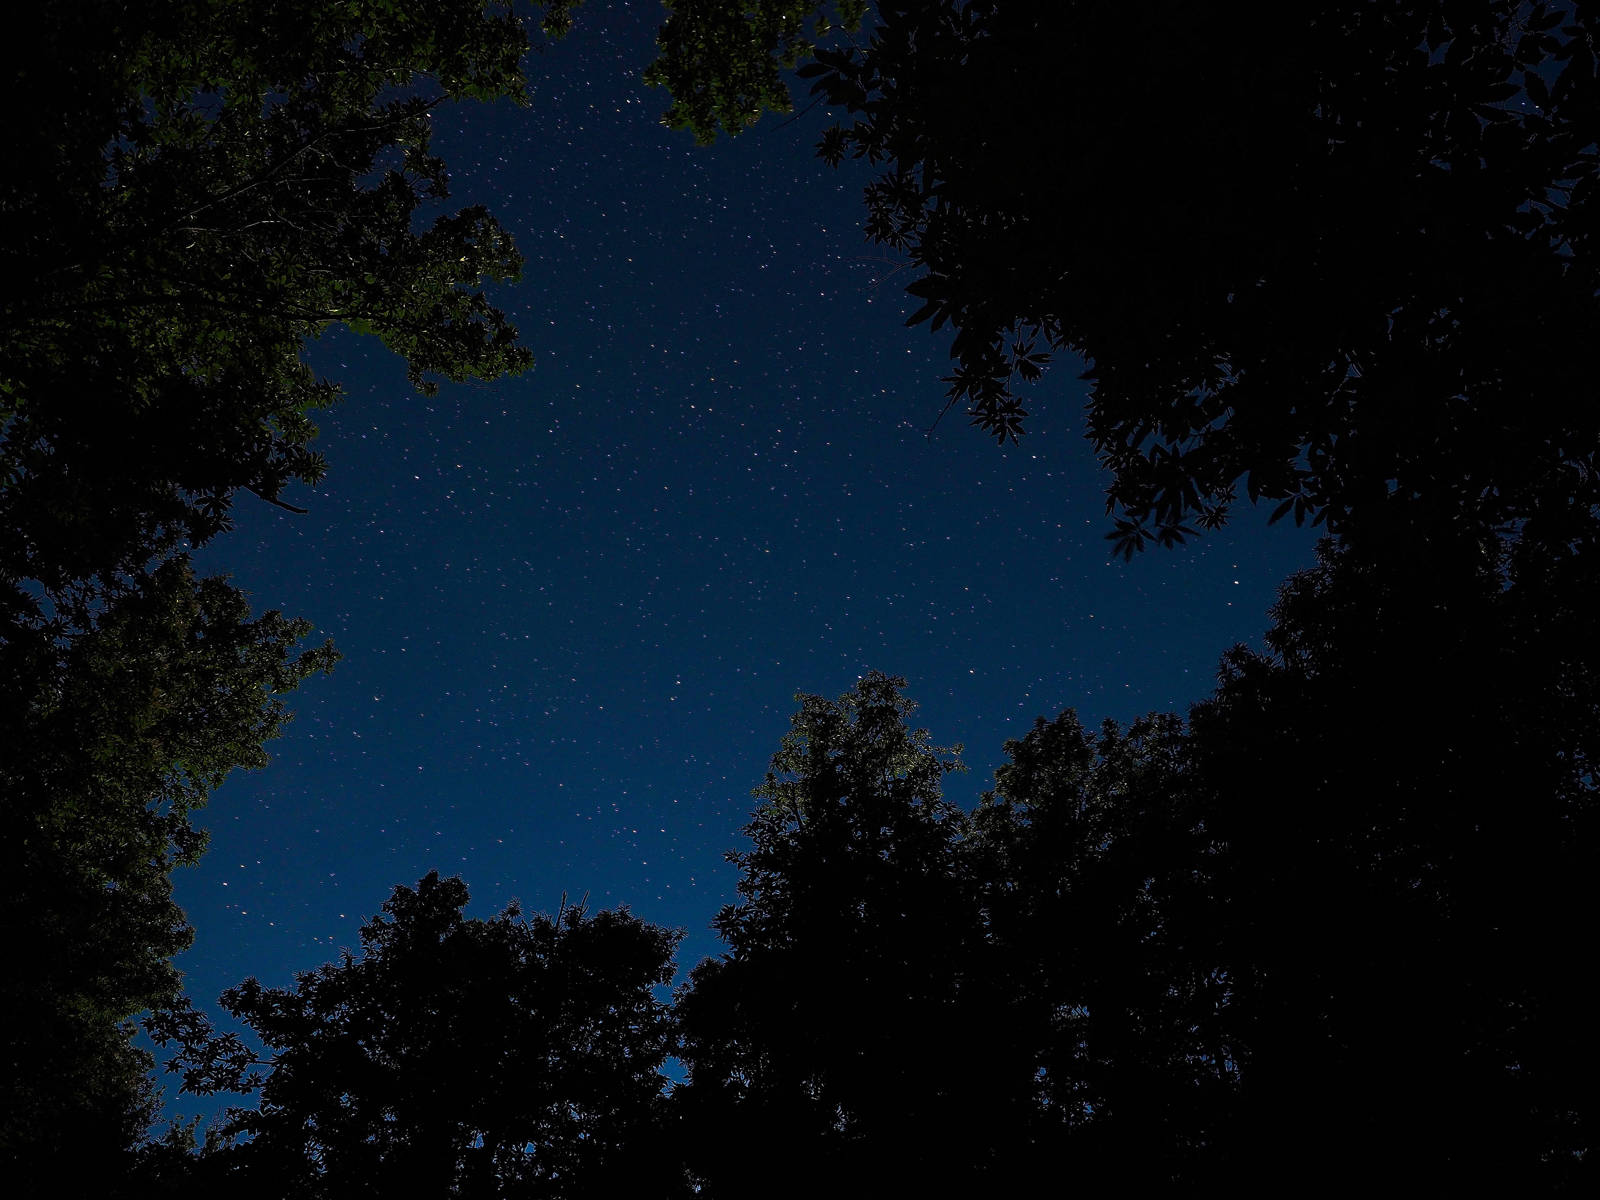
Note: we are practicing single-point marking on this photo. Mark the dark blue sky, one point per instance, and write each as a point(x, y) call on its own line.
point(575, 606)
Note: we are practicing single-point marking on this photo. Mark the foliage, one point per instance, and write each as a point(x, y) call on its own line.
point(833, 1014)
point(946, 1003)
point(1407, 796)
point(1097, 882)
point(722, 61)
point(192, 196)
point(504, 1057)
point(195, 188)
point(110, 740)
point(1329, 926)
point(1338, 256)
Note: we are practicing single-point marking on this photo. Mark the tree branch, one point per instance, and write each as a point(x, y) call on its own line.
point(283, 504)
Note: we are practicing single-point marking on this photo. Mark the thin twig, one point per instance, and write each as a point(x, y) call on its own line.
point(797, 115)
point(949, 404)
point(283, 504)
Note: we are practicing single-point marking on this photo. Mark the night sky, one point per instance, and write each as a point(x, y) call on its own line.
point(575, 606)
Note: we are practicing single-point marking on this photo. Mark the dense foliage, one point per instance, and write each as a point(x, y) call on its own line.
point(1336, 255)
point(1406, 789)
point(844, 965)
point(111, 740)
point(195, 188)
point(508, 1057)
point(953, 1003)
point(1326, 927)
point(198, 191)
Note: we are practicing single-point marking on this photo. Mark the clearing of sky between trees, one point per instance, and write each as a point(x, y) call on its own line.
point(1337, 257)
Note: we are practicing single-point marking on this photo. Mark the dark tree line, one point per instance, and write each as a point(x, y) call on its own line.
point(1406, 788)
point(1294, 942)
point(508, 1057)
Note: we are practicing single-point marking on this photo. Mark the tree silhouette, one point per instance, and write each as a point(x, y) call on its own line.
point(1097, 879)
point(507, 1057)
point(1331, 929)
point(826, 1047)
point(194, 190)
point(195, 194)
point(1334, 255)
point(928, 1001)
point(109, 742)
point(1338, 256)
point(1406, 795)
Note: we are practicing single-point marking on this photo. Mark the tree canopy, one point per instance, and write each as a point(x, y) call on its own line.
point(1319, 929)
point(193, 196)
point(1096, 872)
point(945, 1002)
point(109, 742)
point(844, 964)
point(1406, 792)
point(1327, 926)
point(513, 1056)
point(195, 189)
point(1336, 256)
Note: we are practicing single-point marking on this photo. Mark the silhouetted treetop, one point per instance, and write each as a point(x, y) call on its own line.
point(513, 1056)
point(1096, 877)
point(830, 1015)
point(957, 1005)
point(850, 780)
point(1338, 256)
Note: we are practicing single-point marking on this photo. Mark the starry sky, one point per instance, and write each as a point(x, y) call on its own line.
point(575, 606)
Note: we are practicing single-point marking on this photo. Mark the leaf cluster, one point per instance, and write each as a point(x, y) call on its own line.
point(722, 62)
